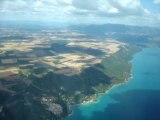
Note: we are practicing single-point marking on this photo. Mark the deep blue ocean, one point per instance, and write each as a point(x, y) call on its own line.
point(137, 99)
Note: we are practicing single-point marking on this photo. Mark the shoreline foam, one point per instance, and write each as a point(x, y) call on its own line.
point(107, 91)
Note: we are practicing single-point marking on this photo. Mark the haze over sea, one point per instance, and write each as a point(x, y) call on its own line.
point(137, 99)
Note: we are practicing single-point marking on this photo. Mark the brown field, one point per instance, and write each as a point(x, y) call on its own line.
point(109, 46)
point(7, 72)
point(8, 61)
point(67, 63)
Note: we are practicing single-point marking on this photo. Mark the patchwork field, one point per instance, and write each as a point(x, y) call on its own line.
point(43, 50)
point(45, 71)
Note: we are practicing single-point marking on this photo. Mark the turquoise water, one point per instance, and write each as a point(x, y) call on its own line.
point(138, 99)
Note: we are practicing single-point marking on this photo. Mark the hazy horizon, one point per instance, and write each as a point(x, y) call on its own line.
point(69, 12)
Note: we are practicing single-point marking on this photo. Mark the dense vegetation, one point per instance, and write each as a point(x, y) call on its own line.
point(24, 100)
point(118, 65)
point(38, 83)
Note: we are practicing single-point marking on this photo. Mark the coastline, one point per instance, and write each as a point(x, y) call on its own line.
point(92, 101)
point(85, 102)
point(132, 86)
point(98, 95)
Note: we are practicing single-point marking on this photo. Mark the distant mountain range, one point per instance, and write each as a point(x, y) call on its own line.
point(102, 29)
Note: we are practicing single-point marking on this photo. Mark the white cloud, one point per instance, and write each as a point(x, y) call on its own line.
point(89, 11)
point(87, 5)
point(156, 1)
point(113, 10)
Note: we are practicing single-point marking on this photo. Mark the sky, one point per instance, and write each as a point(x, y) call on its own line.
point(131, 12)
